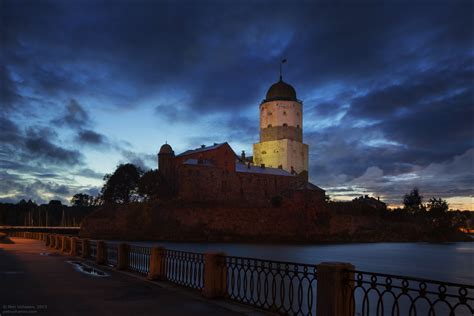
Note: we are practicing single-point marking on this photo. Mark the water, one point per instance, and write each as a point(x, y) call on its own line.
point(449, 262)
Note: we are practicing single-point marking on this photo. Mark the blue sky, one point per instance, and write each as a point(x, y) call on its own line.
point(387, 89)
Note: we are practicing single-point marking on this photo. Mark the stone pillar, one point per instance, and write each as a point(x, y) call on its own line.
point(101, 252)
point(157, 264)
point(52, 241)
point(334, 289)
point(59, 242)
point(86, 248)
point(64, 240)
point(123, 252)
point(215, 275)
point(73, 251)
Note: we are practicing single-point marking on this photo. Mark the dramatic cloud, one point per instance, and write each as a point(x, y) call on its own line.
point(387, 87)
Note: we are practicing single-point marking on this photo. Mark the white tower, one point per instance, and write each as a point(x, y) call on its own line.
point(281, 130)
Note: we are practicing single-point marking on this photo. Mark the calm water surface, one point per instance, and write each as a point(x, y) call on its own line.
point(451, 262)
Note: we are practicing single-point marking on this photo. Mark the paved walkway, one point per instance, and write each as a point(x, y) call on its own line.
point(35, 284)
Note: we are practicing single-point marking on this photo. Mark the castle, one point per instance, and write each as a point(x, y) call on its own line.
point(278, 170)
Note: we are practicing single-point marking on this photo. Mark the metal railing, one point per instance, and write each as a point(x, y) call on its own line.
point(386, 294)
point(79, 250)
point(93, 249)
point(112, 254)
point(139, 259)
point(184, 268)
point(283, 287)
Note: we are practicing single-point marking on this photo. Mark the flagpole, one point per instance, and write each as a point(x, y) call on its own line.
point(281, 63)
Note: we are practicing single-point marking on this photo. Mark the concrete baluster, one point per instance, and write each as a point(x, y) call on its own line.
point(123, 253)
point(215, 275)
point(157, 264)
point(86, 248)
point(334, 289)
point(101, 252)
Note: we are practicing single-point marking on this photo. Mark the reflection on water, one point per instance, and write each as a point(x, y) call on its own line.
point(451, 262)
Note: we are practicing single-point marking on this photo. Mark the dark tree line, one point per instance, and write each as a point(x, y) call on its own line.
point(28, 213)
point(434, 214)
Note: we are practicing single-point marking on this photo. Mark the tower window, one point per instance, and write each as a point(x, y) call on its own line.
point(284, 112)
point(298, 126)
point(269, 125)
point(297, 113)
point(269, 113)
point(264, 152)
point(284, 124)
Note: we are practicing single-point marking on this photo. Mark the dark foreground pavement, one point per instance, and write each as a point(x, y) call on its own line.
point(35, 284)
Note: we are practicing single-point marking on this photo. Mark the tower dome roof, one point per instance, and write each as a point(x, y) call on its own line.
point(281, 91)
point(166, 149)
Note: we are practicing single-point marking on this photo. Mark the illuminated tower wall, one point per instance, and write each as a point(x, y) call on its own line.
point(281, 131)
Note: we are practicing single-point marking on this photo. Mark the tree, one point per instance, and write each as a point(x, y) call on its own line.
point(327, 198)
point(122, 186)
point(438, 207)
point(149, 185)
point(81, 200)
point(413, 202)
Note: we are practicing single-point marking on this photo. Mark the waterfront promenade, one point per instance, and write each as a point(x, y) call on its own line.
point(39, 284)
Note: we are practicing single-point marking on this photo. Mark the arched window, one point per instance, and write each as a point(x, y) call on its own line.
point(269, 125)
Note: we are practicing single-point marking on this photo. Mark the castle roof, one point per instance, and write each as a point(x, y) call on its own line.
point(240, 167)
point(202, 149)
point(309, 186)
point(281, 91)
point(166, 149)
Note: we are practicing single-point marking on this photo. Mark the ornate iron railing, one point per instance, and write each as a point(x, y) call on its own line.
point(112, 254)
point(385, 294)
point(283, 287)
point(93, 249)
point(139, 259)
point(79, 249)
point(184, 268)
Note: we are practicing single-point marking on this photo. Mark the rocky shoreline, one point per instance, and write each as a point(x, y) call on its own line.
point(251, 225)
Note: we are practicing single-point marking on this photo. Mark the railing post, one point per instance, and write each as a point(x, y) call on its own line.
point(86, 248)
point(101, 252)
point(59, 242)
point(52, 241)
point(123, 251)
point(73, 251)
point(334, 290)
point(47, 240)
point(64, 240)
point(215, 275)
point(157, 264)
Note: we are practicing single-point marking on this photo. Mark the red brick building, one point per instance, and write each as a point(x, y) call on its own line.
point(216, 174)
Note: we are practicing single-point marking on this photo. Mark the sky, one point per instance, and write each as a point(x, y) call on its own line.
point(387, 90)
